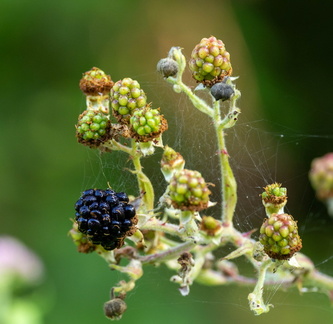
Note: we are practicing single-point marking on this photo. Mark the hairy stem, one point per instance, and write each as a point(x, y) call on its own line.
point(228, 182)
point(145, 186)
point(168, 254)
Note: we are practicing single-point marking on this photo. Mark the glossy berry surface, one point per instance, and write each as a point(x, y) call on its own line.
point(106, 217)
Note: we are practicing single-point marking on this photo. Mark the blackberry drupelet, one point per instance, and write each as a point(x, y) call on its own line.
point(106, 217)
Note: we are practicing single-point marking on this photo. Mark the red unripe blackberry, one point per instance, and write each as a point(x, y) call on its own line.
point(106, 217)
point(189, 191)
point(210, 62)
point(321, 176)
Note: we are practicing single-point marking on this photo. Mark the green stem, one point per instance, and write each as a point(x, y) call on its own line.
point(145, 186)
point(228, 182)
point(197, 102)
point(154, 224)
point(168, 254)
point(256, 302)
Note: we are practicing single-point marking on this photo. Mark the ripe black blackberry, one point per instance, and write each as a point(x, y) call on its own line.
point(106, 217)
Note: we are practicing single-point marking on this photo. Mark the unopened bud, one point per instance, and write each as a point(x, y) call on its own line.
point(222, 91)
point(167, 67)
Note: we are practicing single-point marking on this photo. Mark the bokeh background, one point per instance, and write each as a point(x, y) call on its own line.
point(283, 54)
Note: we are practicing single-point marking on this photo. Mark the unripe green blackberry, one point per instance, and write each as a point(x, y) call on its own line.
point(279, 236)
point(210, 225)
point(147, 124)
point(274, 198)
point(93, 128)
point(171, 162)
point(321, 176)
point(95, 82)
point(189, 191)
point(126, 96)
point(210, 62)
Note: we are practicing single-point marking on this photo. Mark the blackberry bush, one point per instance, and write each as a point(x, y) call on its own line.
point(171, 229)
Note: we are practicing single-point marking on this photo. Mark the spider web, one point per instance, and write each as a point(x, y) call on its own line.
point(259, 155)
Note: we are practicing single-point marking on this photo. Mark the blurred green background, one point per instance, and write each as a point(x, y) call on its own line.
point(283, 54)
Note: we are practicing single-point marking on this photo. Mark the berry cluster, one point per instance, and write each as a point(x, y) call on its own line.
point(210, 62)
point(279, 236)
point(188, 191)
point(147, 124)
point(126, 95)
point(106, 217)
point(92, 128)
point(95, 82)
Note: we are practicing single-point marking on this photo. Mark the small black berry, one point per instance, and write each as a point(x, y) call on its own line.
point(118, 213)
point(112, 200)
point(104, 206)
point(94, 225)
point(96, 213)
point(89, 200)
point(110, 192)
point(88, 192)
point(122, 196)
point(129, 211)
point(84, 211)
point(83, 224)
point(99, 193)
point(78, 204)
point(126, 223)
point(94, 205)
